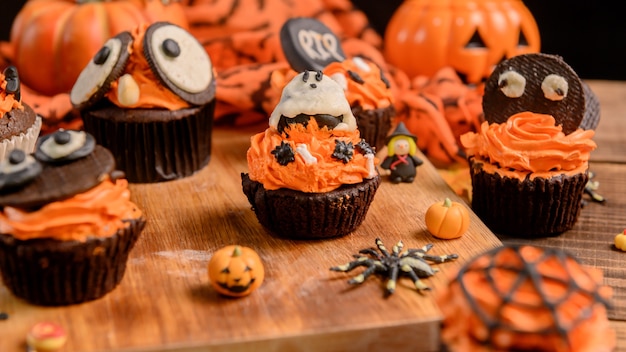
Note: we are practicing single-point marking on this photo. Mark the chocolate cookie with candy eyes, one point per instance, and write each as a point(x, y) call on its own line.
point(83, 168)
point(19, 168)
point(539, 83)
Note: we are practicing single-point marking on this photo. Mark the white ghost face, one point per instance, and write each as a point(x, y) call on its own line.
point(313, 95)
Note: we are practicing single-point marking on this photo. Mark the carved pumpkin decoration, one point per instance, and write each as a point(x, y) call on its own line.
point(447, 220)
point(236, 271)
point(55, 39)
point(471, 36)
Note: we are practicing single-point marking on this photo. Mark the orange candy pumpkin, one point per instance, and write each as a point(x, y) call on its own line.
point(447, 220)
point(471, 36)
point(236, 271)
point(55, 39)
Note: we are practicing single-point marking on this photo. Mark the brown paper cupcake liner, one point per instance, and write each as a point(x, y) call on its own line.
point(374, 125)
point(528, 208)
point(49, 272)
point(298, 215)
point(25, 141)
point(154, 145)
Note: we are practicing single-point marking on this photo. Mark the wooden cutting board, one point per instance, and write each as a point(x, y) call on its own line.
point(165, 301)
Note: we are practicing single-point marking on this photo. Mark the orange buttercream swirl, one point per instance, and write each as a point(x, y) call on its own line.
point(152, 93)
point(530, 143)
point(7, 100)
point(99, 212)
point(327, 174)
point(365, 84)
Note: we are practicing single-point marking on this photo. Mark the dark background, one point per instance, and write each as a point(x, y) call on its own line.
point(589, 35)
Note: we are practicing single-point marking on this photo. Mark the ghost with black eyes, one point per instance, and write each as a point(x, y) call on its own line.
point(148, 95)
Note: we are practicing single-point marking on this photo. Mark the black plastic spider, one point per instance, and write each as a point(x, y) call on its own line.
point(343, 151)
point(412, 263)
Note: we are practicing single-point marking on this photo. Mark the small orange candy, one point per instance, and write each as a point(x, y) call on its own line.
point(447, 220)
point(236, 271)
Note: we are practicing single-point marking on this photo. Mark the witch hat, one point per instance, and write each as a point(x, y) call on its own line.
point(400, 130)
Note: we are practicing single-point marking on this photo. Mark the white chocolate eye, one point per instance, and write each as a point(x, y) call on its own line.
point(554, 87)
point(179, 60)
point(512, 84)
point(97, 71)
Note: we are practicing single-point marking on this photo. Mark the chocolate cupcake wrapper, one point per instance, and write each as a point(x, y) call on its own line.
point(25, 141)
point(541, 207)
point(154, 150)
point(298, 215)
point(49, 272)
point(374, 125)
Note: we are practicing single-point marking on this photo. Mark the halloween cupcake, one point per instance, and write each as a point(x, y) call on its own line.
point(529, 160)
point(364, 83)
point(19, 125)
point(67, 224)
point(149, 96)
point(525, 298)
point(310, 173)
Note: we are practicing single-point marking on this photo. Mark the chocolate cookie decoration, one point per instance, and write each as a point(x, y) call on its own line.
point(19, 168)
point(538, 83)
point(106, 66)
point(180, 62)
point(63, 146)
point(61, 181)
point(309, 45)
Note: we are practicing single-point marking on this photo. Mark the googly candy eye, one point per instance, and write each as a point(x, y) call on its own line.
point(18, 168)
point(180, 62)
point(64, 145)
point(512, 84)
point(554, 87)
point(106, 66)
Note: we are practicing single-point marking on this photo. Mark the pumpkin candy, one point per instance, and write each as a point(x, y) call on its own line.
point(236, 271)
point(620, 241)
point(471, 36)
point(447, 220)
point(55, 39)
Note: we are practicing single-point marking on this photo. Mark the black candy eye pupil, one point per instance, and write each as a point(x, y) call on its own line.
point(62, 137)
point(171, 48)
point(102, 55)
point(16, 156)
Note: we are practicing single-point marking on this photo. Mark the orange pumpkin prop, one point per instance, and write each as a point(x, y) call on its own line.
point(236, 271)
point(447, 220)
point(471, 36)
point(54, 39)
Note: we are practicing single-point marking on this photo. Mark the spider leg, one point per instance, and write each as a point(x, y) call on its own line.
point(381, 247)
point(360, 261)
point(372, 268)
point(440, 258)
point(393, 279)
point(397, 248)
point(371, 251)
point(419, 285)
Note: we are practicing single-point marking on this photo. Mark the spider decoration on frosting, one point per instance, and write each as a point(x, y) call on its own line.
point(412, 263)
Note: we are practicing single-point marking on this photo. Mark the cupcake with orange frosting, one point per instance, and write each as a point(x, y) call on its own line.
point(311, 175)
point(19, 125)
point(67, 224)
point(525, 298)
point(149, 96)
point(529, 160)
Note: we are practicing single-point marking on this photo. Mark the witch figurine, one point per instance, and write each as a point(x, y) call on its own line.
point(401, 160)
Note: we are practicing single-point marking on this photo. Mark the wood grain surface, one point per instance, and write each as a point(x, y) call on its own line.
point(165, 301)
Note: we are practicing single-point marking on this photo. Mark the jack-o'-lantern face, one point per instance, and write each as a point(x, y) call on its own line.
point(236, 271)
point(471, 36)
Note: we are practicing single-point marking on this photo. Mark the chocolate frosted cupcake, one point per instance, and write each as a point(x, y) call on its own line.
point(67, 224)
point(529, 160)
point(149, 97)
point(526, 299)
point(19, 125)
point(364, 83)
point(310, 174)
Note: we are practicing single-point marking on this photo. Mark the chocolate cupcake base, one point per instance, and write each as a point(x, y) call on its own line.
point(374, 125)
point(526, 208)
point(50, 272)
point(154, 145)
point(299, 215)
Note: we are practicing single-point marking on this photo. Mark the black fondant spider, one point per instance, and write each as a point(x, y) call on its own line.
point(412, 263)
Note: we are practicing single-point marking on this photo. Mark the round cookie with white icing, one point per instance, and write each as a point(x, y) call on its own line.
point(313, 95)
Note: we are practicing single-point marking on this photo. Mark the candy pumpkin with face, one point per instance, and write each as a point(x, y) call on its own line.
point(236, 271)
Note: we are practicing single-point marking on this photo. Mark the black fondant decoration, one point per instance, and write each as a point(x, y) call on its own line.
point(62, 137)
point(13, 82)
point(309, 45)
point(20, 175)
